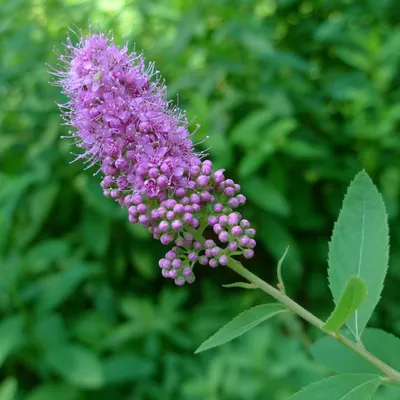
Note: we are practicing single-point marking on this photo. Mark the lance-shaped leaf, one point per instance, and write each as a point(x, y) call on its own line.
point(242, 285)
point(360, 247)
point(341, 387)
point(241, 324)
point(76, 364)
point(8, 389)
point(351, 298)
point(281, 285)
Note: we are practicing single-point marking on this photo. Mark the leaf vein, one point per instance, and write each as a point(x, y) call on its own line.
point(360, 258)
point(357, 387)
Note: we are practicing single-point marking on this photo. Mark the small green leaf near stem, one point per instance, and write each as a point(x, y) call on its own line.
point(243, 285)
point(354, 293)
point(281, 285)
point(241, 324)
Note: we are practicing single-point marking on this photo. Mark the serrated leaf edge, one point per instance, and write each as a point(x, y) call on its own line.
point(358, 337)
point(377, 377)
point(204, 348)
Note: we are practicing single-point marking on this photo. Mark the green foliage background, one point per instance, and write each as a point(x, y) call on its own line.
point(296, 96)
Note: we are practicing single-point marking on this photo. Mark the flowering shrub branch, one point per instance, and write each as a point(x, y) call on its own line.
point(143, 148)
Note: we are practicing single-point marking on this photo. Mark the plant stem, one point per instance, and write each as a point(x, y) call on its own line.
point(197, 233)
point(390, 372)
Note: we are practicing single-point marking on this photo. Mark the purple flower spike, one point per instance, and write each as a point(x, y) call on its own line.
point(142, 146)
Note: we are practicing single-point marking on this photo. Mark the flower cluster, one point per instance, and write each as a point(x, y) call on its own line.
point(144, 149)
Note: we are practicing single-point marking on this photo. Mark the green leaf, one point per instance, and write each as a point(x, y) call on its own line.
point(77, 365)
point(340, 359)
point(95, 231)
point(11, 335)
point(388, 393)
point(50, 330)
point(305, 150)
point(246, 132)
point(55, 288)
point(126, 368)
point(40, 203)
point(351, 298)
point(355, 58)
point(243, 285)
point(279, 270)
point(341, 387)
point(266, 196)
point(241, 324)
point(44, 253)
point(383, 345)
point(8, 389)
point(360, 247)
point(51, 391)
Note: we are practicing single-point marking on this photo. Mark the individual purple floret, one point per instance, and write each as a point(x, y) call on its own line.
point(143, 147)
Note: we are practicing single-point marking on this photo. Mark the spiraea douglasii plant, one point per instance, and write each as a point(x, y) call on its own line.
point(143, 147)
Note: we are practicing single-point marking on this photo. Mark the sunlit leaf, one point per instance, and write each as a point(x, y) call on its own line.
point(351, 298)
point(241, 324)
point(8, 389)
point(360, 247)
point(341, 387)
